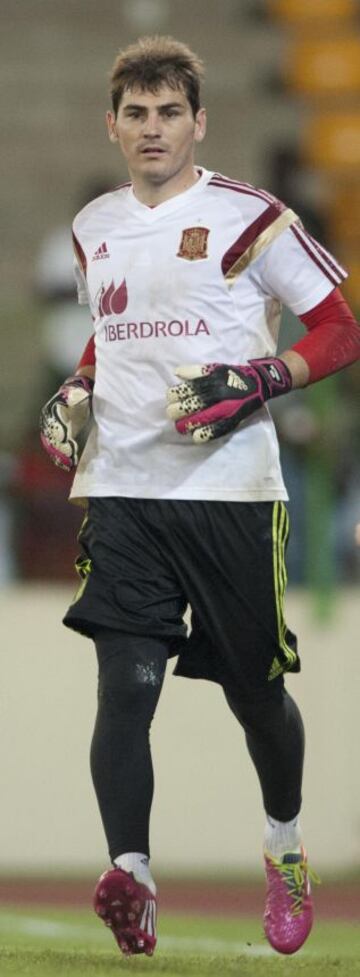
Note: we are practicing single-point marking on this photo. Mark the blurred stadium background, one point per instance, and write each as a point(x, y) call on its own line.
point(283, 96)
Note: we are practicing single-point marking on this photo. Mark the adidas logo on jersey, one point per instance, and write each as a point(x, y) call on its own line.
point(101, 252)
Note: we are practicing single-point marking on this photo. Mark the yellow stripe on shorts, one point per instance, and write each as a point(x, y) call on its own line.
point(280, 532)
point(83, 566)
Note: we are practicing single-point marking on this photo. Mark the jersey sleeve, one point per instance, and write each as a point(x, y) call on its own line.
point(297, 270)
point(80, 267)
point(81, 286)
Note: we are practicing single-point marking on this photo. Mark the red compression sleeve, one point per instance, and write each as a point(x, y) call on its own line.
point(333, 339)
point(88, 356)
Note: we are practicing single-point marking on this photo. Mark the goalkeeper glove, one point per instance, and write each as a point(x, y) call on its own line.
point(63, 418)
point(216, 397)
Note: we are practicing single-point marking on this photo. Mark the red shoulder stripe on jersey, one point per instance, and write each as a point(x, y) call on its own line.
point(246, 188)
point(333, 276)
point(80, 254)
point(322, 252)
point(122, 186)
point(243, 190)
point(248, 236)
point(231, 181)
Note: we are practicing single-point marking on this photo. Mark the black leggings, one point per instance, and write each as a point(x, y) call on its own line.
point(274, 734)
point(131, 673)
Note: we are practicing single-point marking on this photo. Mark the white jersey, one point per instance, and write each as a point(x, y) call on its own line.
point(198, 279)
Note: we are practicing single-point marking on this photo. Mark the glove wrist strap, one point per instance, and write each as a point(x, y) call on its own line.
point(275, 376)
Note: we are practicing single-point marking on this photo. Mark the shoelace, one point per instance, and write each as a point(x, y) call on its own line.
point(295, 877)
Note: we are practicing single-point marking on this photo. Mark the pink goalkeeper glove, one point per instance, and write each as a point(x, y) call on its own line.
point(216, 397)
point(63, 418)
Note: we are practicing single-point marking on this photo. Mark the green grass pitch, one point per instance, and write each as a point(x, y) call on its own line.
point(43, 942)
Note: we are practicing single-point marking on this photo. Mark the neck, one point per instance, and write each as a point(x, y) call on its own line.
point(153, 194)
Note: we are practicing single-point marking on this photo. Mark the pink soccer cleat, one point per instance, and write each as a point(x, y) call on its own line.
point(129, 909)
point(288, 913)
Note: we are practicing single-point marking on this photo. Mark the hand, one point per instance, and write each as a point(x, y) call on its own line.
point(62, 419)
point(216, 397)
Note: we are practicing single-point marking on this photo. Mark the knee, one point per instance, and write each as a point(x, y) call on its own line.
point(128, 687)
point(256, 714)
point(274, 718)
point(130, 676)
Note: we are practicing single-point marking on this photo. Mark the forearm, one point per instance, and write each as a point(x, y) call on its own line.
point(86, 371)
point(332, 342)
point(87, 362)
point(298, 367)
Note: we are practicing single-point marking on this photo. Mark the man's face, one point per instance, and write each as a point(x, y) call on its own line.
point(156, 133)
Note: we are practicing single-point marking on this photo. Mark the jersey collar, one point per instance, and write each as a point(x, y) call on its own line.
point(152, 214)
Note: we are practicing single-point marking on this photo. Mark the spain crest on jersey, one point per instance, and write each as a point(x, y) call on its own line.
point(193, 244)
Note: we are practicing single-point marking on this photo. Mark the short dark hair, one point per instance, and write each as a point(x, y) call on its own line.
point(155, 61)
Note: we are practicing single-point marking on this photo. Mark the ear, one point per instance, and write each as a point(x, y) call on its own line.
point(111, 126)
point(200, 125)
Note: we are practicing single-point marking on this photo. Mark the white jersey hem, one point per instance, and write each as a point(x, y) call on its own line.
point(201, 494)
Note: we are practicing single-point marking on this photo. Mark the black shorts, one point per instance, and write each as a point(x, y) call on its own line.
point(144, 560)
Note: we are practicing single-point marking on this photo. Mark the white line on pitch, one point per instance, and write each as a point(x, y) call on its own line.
point(37, 926)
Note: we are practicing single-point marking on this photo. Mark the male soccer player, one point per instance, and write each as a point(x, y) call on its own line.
point(185, 272)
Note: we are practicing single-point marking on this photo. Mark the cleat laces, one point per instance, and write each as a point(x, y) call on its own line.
point(297, 876)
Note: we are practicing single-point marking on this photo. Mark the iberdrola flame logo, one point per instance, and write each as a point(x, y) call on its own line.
point(113, 299)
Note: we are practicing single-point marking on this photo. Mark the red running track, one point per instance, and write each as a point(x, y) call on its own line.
point(332, 901)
